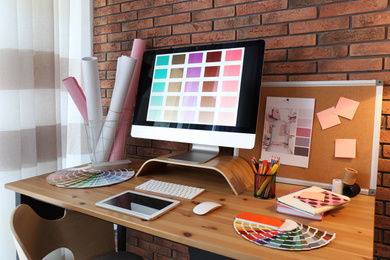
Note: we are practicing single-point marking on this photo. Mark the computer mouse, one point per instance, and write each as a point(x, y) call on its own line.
point(205, 207)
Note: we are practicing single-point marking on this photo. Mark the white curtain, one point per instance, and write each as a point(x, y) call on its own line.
point(41, 130)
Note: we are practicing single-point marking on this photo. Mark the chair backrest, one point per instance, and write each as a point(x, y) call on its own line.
point(87, 237)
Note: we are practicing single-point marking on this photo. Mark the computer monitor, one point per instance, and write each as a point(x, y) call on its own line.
point(204, 95)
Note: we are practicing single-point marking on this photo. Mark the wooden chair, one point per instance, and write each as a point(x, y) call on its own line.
point(87, 237)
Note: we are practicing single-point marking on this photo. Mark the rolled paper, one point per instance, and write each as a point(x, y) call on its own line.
point(337, 186)
point(349, 176)
point(77, 95)
point(124, 72)
point(93, 98)
point(123, 129)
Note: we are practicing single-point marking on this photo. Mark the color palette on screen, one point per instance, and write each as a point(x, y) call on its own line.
point(303, 132)
point(200, 87)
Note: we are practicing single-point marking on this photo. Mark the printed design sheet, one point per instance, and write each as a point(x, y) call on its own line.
point(288, 125)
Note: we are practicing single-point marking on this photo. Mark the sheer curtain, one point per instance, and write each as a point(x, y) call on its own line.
point(41, 130)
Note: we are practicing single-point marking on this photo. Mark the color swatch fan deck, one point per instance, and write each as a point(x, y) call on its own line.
point(88, 177)
point(296, 238)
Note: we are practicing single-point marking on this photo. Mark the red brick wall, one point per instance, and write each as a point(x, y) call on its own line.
point(305, 40)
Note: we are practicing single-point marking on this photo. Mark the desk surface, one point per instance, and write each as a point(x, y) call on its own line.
point(214, 232)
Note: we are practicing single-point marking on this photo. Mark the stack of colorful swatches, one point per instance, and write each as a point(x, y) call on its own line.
point(301, 237)
point(88, 177)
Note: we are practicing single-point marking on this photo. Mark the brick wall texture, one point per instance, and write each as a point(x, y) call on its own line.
point(306, 40)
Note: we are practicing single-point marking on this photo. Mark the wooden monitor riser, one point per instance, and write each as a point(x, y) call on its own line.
point(235, 170)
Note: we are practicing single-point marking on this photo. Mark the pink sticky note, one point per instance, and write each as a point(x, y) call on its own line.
point(327, 118)
point(313, 195)
point(346, 107)
point(345, 148)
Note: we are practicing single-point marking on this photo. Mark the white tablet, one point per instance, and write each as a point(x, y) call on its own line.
point(138, 204)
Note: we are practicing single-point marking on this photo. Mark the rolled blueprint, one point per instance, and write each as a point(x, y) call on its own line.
point(124, 71)
point(77, 95)
point(123, 128)
point(94, 103)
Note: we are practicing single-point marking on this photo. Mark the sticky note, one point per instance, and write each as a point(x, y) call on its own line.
point(346, 107)
point(345, 148)
point(328, 118)
point(313, 195)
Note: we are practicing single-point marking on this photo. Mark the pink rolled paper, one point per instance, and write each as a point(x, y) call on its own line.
point(123, 129)
point(77, 95)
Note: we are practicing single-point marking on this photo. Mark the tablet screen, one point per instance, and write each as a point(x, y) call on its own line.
point(138, 204)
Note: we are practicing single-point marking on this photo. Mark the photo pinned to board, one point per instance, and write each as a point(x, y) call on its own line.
point(288, 124)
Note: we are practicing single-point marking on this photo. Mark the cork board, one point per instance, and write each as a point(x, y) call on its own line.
point(364, 127)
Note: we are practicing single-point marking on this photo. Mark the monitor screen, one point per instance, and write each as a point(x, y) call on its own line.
point(207, 95)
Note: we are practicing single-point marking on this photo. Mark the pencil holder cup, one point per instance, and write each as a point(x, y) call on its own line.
point(265, 186)
point(106, 139)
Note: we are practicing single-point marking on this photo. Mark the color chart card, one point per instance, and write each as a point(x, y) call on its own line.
point(301, 238)
point(88, 177)
point(287, 131)
point(199, 87)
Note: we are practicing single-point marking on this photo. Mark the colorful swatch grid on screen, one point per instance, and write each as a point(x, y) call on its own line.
point(197, 87)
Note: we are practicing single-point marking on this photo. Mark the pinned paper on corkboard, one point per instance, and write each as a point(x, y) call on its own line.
point(328, 118)
point(346, 108)
point(345, 148)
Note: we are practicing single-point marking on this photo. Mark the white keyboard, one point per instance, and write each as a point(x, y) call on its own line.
point(170, 189)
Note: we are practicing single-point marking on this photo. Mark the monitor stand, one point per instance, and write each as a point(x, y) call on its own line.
point(198, 154)
point(236, 171)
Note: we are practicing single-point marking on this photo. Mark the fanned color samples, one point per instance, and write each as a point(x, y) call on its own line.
point(300, 237)
point(88, 177)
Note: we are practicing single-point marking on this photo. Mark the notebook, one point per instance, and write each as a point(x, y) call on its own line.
point(313, 206)
point(280, 208)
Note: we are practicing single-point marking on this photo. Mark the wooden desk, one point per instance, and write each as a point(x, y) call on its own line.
point(353, 224)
